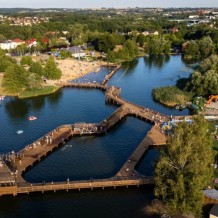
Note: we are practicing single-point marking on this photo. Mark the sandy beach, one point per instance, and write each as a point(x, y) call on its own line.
point(74, 69)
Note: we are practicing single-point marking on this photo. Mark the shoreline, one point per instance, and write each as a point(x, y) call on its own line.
point(71, 69)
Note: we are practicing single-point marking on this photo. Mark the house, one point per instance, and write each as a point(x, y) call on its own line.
point(7, 45)
point(18, 41)
point(153, 33)
point(150, 33)
point(11, 44)
point(174, 30)
point(185, 45)
point(193, 16)
point(31, 42)
point(145, 33)
point(45, 41)
point(133, 33)
point(76, 51)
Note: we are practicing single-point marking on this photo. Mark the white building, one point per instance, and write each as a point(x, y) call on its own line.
point(7, 45)
point(11, 44)
point(77, 51)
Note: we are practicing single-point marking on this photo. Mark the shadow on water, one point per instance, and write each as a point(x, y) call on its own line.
point(130, 64)
point(147, 163)
point(37, 103)
point(54, 98)
point(156, 61)
point(17, 108)
point(123, 202)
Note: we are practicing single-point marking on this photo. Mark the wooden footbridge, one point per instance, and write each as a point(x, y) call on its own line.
point(15, 164)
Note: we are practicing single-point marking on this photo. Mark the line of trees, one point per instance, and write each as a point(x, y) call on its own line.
point(105, 34)
point(27, 74)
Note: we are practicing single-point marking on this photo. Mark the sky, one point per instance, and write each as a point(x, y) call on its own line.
point(106, 3)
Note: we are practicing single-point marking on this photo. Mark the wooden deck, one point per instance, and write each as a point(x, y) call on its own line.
point(127, 175)
point(154, 137)
point(107, 77)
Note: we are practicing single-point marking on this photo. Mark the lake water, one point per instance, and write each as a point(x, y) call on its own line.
point(88, 157)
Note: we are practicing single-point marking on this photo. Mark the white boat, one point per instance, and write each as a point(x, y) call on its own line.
point(19, 132)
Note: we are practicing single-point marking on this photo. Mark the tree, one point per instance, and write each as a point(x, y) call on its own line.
point(34, 81)
point(51, 71)
point(15, 79)
point(192, 51)
point(111, 56)
point(206, 47)
point(5, 61)
point(185, 167)
point(141, 39)
point(36, 68)
point(157, 45)
point(131, 47)
point(204, 81)
point(26, 60)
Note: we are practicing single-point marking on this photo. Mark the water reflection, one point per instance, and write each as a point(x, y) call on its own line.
point(53, 99)
point(17, 108)
point(38, 103)
point(157, 61)
point(130, 64)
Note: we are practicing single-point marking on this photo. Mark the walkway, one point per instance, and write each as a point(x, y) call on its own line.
point(17, 163)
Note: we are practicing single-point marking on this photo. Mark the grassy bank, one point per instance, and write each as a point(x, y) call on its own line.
point(1, 88)
point(171, 96)
point(37, 92)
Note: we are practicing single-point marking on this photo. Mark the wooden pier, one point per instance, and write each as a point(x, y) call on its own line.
point(15, 164)
point(107, 77)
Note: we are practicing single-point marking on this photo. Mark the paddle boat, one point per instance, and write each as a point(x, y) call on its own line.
point(31, 118)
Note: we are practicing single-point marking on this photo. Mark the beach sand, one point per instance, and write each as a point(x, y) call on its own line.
point(74, 69)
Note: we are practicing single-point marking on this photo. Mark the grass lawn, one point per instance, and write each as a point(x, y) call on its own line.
point(37, 92)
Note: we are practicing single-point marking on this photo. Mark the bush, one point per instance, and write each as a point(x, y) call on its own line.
point(170, 95)
point(26, 60)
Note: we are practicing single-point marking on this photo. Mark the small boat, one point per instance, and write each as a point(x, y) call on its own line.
point(31, 118)
point(2, 98)
point(19, 132)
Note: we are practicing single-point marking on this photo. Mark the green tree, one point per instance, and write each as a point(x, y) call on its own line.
point(192, 51)
point(157, 45)
point(15, 79)
point(51, 71)
point(141, 39)
point(111, 56)
point(185, 167)
point(132, 48)
point(26, 60)
point(204, 81)
point(6, 61)
point(36, 68)
point(206, 47)
point(34, 81)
